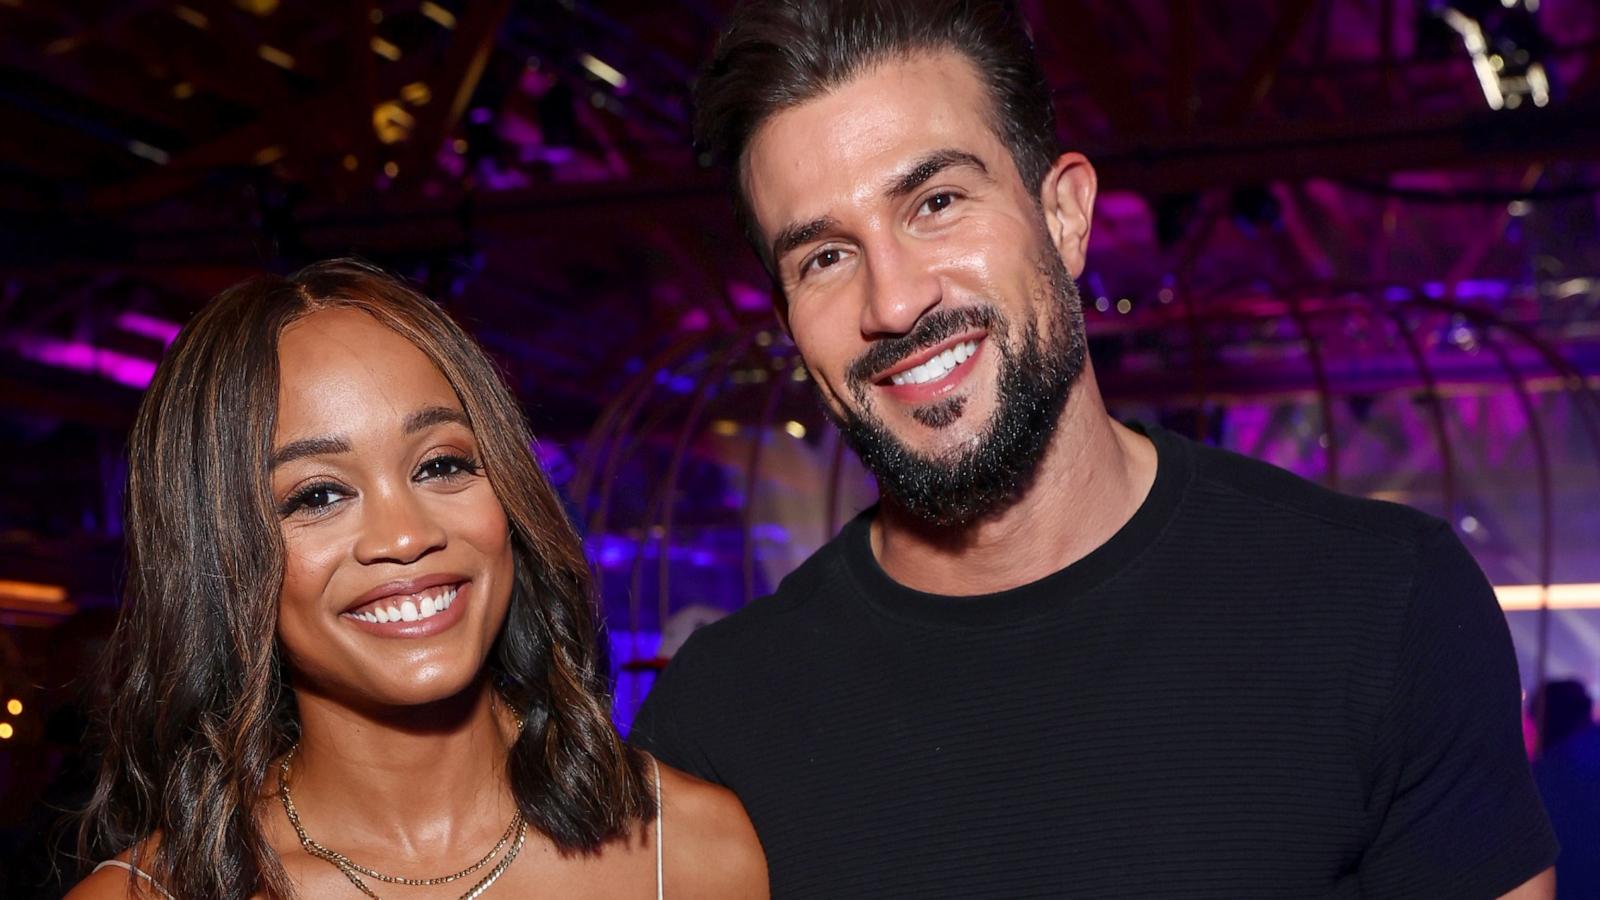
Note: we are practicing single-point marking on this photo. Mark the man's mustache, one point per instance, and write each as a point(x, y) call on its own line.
point(929, 330)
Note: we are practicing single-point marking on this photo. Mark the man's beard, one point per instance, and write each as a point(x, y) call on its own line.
point(997, 466)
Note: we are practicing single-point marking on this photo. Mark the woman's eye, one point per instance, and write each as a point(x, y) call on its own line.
point(314, 499)
point(447, 467)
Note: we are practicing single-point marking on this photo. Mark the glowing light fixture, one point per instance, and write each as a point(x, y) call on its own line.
point(6, 731)
point(155, 154)
point(193, 16)
point(385, 49)
point(601, 70)
point(795, 429)
point(1514, 597)
point(14, 707)
point(275, 56)
point(443, 17)
point(31, 590)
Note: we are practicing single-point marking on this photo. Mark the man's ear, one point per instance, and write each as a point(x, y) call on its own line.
point(1067, 198)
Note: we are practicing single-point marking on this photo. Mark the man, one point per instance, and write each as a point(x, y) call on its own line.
point(1061, 657)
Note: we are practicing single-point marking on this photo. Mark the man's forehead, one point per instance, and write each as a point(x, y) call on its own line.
point(846, 142)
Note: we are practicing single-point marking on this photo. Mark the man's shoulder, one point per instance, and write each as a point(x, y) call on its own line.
point(1270, 497)
point(766, 625)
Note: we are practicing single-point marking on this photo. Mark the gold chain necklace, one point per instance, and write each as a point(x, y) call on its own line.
point(516, 834)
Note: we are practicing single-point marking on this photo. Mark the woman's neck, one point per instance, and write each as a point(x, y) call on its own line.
point(418, 782)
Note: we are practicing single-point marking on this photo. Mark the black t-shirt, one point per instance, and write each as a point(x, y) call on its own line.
point(1255, 688)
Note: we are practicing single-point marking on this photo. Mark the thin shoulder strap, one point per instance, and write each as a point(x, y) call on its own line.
point(661, 887)
point(119, 864)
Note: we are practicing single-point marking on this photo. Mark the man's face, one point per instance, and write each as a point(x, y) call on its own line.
point(924, 289)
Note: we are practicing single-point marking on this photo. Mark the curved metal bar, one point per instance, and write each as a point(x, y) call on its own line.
point(628, 397)
point(752, 478)
point(1319, 372)
point(1435, 404)
point(708, 382)
point(1576, 383)
point(1546, 514)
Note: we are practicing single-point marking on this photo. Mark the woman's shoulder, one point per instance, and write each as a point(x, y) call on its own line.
point(118, 878)
point(709, 845)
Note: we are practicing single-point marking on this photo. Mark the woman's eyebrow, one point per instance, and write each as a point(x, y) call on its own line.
point(312, 446)
point(430, 416)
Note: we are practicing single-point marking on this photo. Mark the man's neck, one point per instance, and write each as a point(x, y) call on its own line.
point(1094, 475)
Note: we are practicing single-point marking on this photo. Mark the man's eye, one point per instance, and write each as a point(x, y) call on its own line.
point(823, 260)
point(938, 202)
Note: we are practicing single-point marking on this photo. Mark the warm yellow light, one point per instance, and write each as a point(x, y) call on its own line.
point(391, 169)
point(262, 8)
point(725, 427)
point(350, 162)
point(795, 428)
point(391, 122)
point(444, 17)
point(6, 731)
point(416, 93)
point(14, 707)
point(183, 90)
point(32, 590)
point(603, 71)
point(275, 56)
point(266, 156)
point(1514, 597)
point(460, 146)
point(193, 16)
point(385, 49)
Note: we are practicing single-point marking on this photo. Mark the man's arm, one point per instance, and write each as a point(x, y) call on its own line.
point(1452, 799)
point(1541, 887)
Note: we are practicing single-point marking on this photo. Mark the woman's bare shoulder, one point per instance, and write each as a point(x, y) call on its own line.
point(115, 883)
point(710, 847)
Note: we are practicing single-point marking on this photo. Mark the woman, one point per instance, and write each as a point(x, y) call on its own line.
point(357, 652)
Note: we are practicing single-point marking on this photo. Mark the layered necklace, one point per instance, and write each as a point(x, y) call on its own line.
point(510, 841)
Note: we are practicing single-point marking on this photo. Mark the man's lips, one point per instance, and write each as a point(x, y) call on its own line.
point(922, 356)
point(405, 587)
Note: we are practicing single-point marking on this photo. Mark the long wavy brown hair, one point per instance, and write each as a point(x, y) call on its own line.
point(198, 704)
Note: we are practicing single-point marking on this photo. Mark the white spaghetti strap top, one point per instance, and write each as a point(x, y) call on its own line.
point(661, 887)
point(119, 864)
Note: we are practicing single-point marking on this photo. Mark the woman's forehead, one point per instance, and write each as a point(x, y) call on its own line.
point(341, 369)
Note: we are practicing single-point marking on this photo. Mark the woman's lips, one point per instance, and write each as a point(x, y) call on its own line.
point(422, 613)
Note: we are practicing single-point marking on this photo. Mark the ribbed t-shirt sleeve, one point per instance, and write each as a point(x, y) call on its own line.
point(1452, 800)
point(670, 723)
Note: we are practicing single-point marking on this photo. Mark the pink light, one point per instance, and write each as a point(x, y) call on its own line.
point(150, 327)
point(81, 357)
point(746, 296)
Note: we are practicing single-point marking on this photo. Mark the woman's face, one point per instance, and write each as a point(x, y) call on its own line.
point(398, 561)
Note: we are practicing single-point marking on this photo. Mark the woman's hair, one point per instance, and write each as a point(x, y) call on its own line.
point(198, 704)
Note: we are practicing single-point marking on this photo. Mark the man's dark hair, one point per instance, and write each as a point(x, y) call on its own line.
point(776, 54)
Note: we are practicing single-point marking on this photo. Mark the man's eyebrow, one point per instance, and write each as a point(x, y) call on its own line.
point(314, 446)
point(929, 166)
point(435, 415)
point(799, 233)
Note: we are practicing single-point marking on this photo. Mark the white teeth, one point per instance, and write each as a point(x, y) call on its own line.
point(937, 367)
point(418, 606)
